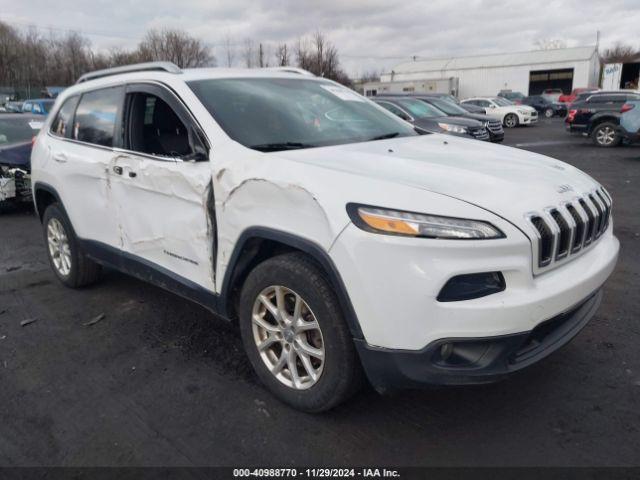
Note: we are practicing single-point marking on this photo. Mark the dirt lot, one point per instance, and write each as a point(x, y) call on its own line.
point(159, 381)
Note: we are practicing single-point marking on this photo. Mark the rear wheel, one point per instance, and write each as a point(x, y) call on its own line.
point(69, 263)
point(548, 112)
point(295, 335)
point(606, 135)
point(511, 120)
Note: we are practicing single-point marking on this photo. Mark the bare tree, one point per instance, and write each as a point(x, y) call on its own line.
point(175, 46)
point(620, 53)
point(249, 53)
point(282, 55)
point(229, 50)
point(370, 76)
point(550, 43)
point(319, 56)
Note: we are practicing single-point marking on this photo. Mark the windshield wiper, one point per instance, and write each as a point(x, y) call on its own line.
point(385, 136)
point(274, 147)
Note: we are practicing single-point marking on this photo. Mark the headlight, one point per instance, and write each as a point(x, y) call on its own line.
point(452, 128)
point(394, 222)
point(522, 112)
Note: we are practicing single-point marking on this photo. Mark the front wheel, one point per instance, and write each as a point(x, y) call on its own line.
point(295, 335)
point(68, 262)
point(511, 120)
point(605, 135)
point(548, 113)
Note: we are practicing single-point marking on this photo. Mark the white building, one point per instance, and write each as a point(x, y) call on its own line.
point(526, 72)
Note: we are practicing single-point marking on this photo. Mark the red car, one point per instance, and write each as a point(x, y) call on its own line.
point(574, 93)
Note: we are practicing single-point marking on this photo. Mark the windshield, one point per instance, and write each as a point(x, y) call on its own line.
point(447, 107)
point(503, 102)
point(420, 109)
point(271, 114)
point(18, 130)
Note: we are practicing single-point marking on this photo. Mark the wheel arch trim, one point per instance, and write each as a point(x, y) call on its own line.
point(304, 245)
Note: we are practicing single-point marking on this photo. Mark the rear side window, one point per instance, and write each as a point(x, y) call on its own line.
point(95, 120)
point(62, 125)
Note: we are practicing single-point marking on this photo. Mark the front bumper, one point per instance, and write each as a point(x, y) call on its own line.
point(529, 119)
point(478, 360)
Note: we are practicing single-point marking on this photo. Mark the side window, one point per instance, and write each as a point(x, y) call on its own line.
point(26, 107)
point(154, 127)
point(95, 120)
point(37, 108)
point(483, 103)
point(61, 125)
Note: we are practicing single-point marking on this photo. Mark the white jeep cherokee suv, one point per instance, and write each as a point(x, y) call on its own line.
point(343, 241)
point(510, 114)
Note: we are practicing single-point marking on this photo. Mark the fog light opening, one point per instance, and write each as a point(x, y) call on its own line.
point(471, 285)
point(445, 351)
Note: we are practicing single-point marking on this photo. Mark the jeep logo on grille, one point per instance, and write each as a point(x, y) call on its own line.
point(565, 188)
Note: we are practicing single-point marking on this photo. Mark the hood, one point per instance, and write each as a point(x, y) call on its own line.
point(506, 181)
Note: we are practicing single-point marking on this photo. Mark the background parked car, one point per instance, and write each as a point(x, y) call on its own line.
point(552, 94)
point(432, 119)
point(13, 107)
point(571, 97)
point(630, 121)
point(16, 135)
point(40, 106)
point(544, 107)
point(515, 97)
point(510, 114)
point(450, 98)
point(598, 116)
point(496, 132)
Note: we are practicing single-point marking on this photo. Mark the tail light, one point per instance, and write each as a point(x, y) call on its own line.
point(626, 107)
point(571, 115)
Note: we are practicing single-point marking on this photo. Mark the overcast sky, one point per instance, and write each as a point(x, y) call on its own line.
point(372, 34)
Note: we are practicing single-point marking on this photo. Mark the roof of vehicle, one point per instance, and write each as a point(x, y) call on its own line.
point(23, 116)
point(39, 100)
point(147, 72)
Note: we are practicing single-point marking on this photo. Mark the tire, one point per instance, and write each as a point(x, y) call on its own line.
point(548, 113)
point(605, 135)
point(511, 120)
point(71, 265)
point(298, 280)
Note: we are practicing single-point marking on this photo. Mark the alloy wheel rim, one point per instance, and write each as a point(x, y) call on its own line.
point(605, 136)
point(510, 121)
point(59, 248)
point(548, 113)
point(288, 337)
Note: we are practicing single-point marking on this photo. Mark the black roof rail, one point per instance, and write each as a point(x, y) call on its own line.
point(136, 67)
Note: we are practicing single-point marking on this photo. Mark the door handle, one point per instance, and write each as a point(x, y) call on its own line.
point(117, 170)
point(60, 157)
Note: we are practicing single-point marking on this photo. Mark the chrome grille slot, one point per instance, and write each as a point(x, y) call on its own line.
point(562, 232)
point(607, 211)
point(597, 229)
point(545, 247)
point(578, 235)
point(590, 222)
point(564, 238)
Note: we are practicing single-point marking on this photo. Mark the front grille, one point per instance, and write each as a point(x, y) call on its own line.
point(495, 126)
point(563, 231)
point(480, 133)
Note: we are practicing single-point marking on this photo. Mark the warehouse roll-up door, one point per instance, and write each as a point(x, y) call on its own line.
point(540, 80)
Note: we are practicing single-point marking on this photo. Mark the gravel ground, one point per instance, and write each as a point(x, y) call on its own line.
point(159, 381)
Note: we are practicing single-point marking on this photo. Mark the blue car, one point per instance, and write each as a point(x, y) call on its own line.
point(630, 121)
point(39, 106)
